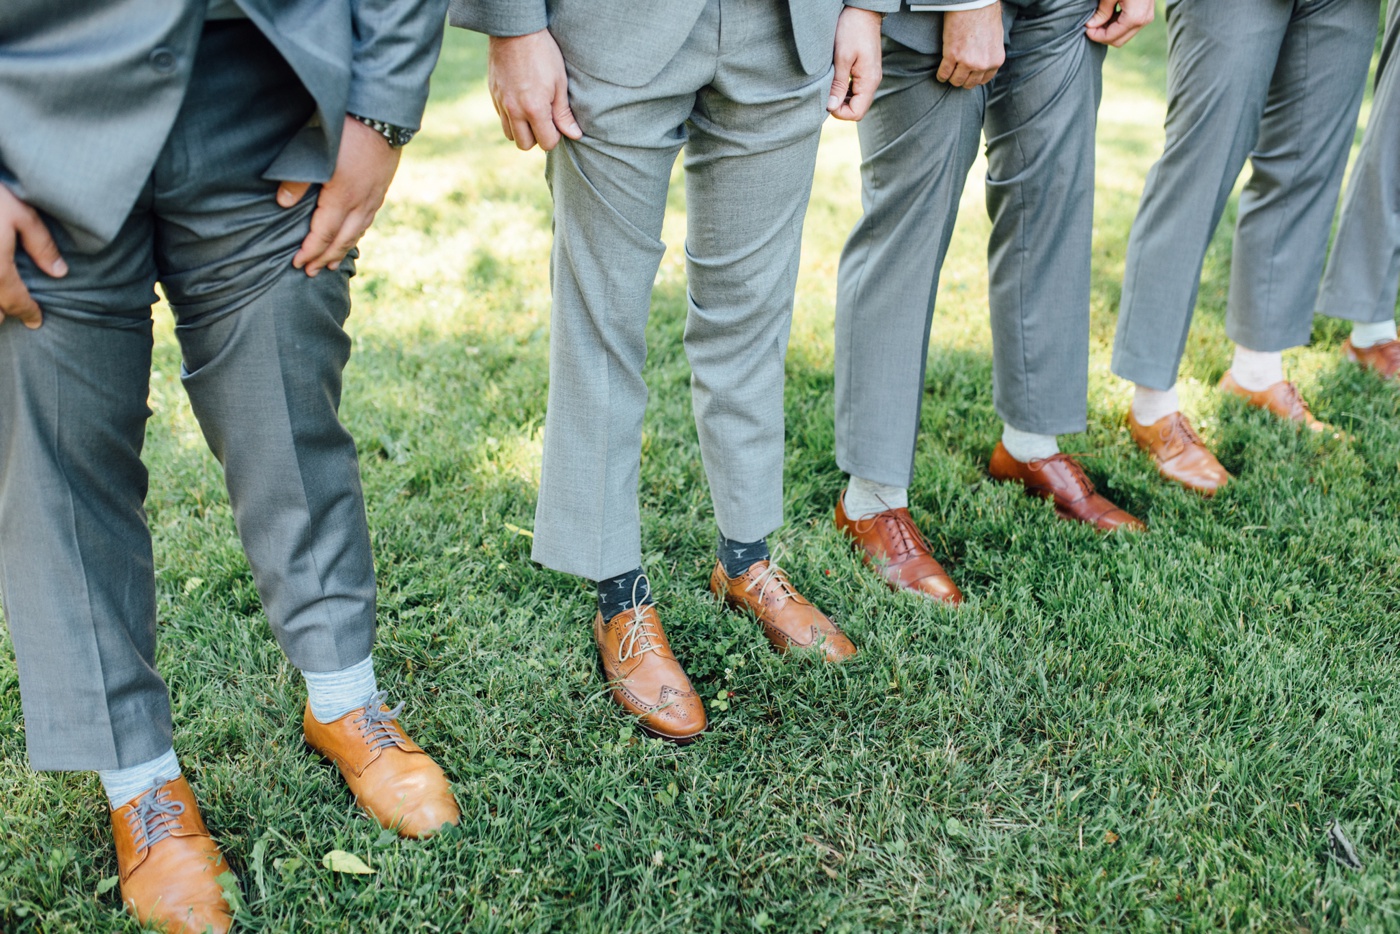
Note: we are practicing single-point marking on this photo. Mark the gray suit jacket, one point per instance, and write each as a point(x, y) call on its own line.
point(628, 43)
point(89, 90)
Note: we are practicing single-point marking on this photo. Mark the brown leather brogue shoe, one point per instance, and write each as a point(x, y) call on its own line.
point(646, 678)
point(390, 775)
point(1061, 479)
point(168, 864)
point(1383, 358)
point(1181, 455)
point(891, 544)
point(789, 621)
point(1282, 399)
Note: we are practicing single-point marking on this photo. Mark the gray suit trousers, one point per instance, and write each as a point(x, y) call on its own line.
point(918, 142)
point(1363, 272)
point(1278, 82)
point(737, 99)
point(263, 350)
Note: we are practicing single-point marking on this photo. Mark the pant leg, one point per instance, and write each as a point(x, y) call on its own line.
point(609, 193)
point(917, 143)
point(749, 164)
point(1305, 137)
point(1042, 110)
point(1363, 271)
point(264, 348)
point(1220, 60)
point(76, 567)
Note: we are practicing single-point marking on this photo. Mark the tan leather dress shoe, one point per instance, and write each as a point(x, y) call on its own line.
point(788, 620)
point(891, 544)
point(646, 678)
point(1384, 357)
point(168, 864)
point(389, 774)
point(1181, 455)
point(1282, 399)
point(1061, 479)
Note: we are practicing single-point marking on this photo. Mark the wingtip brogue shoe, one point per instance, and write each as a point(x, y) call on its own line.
point(891, 544)
point(168, 864)
point(647, 680)
point(390, 775)
point(789, 620)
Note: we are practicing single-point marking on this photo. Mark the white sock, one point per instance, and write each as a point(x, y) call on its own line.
point(1153, 405)
point(1257, 370)
point(333, 694)
point(1027, 446)
point(122, 785)
point(866, 498)
point(1369, 335)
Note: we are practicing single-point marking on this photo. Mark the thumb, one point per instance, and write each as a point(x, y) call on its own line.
point(1103, 14)
point(839, 86)
point(563, 113)
point(289, 193)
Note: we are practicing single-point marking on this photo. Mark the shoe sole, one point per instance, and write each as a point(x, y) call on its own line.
point(658, 734)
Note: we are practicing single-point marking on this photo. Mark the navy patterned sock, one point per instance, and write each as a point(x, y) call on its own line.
point(738, 557)
point(623, 592)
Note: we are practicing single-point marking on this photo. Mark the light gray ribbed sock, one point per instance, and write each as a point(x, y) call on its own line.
point(1257, 370)
point(1027, 446)
point(1153, 405)
point(866, 498)
point(122, 785)
point(1369, 335)
point(333, 694)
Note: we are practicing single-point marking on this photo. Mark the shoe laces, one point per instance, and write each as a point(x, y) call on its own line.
point(772, 576)
point(377, 726)
point(640, 637)
point(1072, 466)
point(1179, 429)
point(906, 533)
point(1297, 407)
point(154, 817)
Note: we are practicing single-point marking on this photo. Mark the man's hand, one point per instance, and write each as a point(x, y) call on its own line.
point(1117, 21)
point(973, 46)
point(21, 224)
point(857, 58)
point(530, 88)
point(346, 205)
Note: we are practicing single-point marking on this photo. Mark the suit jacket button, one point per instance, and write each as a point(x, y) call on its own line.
point(163, 60)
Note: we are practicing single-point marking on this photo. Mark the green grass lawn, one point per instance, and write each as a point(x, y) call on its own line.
point(1129, 732)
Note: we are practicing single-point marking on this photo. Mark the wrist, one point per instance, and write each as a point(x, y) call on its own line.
point(497, 42)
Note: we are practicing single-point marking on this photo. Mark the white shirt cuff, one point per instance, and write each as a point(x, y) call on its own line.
point(917, 7)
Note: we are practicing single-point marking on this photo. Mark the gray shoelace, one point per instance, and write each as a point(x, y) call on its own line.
point(376, 725)
point(154, 817)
